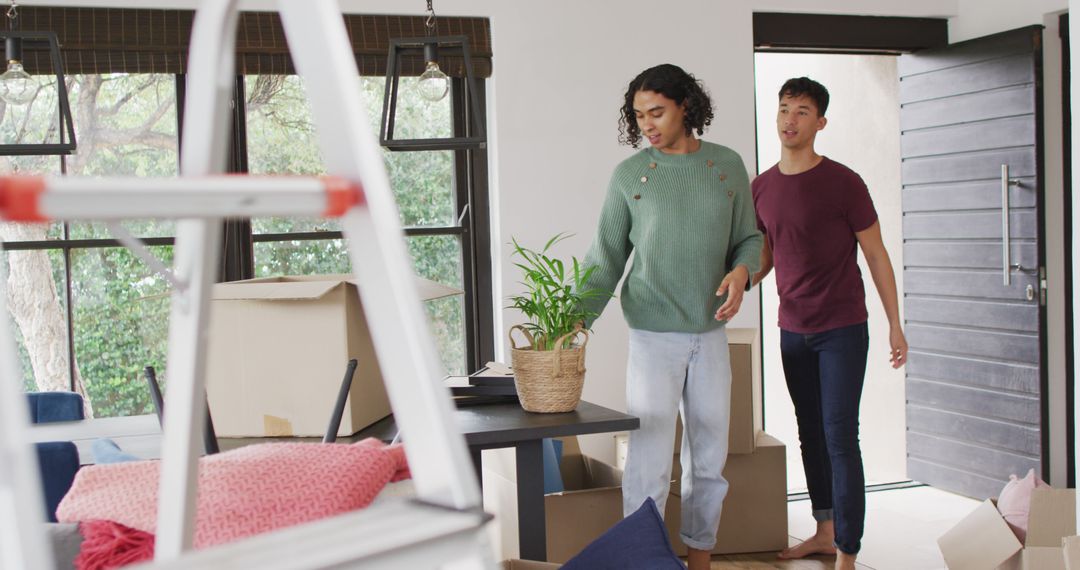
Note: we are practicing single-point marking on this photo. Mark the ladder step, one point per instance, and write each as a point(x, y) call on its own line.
point(45, 198)
point(386, 535)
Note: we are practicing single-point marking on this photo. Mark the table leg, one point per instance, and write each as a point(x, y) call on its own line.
point(478, 466)
point(532, 532)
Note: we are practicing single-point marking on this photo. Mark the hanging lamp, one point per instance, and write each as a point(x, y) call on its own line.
point(18, 88)
point(433, 85)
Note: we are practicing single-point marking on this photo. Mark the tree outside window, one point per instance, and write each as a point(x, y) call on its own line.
point(126, 125)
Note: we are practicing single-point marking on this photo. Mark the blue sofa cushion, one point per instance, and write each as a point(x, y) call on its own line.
point(58, 460)
point(638, 542)
point(46, 407)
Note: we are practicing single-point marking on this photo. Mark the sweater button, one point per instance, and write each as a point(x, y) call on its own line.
point(652, 165)
point(644, 179)
point(730, 194)
point(637, 196)
point(723, 177)
point(709, 163)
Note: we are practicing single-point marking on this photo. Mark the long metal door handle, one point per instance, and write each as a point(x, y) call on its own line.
point(1005, 261)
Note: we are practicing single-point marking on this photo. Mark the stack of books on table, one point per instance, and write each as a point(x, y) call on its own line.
point(494, 382)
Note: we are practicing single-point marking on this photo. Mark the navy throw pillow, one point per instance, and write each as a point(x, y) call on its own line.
point(638, 542)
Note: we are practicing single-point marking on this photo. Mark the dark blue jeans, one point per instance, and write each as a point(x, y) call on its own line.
point(824, 374)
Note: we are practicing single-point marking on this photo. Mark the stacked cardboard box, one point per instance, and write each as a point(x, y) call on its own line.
point(983, 540)
point(278, 348)
point(755, 510)
point(745, 423)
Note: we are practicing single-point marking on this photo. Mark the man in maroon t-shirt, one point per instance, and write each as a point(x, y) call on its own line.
point(813, 212)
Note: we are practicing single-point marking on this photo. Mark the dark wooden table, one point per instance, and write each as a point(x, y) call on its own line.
point(493, 426)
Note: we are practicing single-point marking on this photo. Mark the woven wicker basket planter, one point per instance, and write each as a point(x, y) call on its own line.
point(548, 381)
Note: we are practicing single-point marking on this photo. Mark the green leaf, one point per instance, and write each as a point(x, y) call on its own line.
point(555, 301)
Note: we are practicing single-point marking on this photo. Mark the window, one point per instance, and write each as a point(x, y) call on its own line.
point(90, 315)
point(281, 140)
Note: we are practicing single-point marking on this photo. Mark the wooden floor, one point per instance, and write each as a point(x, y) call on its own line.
point(920, 515)
point(768, 561)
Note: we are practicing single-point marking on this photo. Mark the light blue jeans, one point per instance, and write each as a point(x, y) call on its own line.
point(668, 373)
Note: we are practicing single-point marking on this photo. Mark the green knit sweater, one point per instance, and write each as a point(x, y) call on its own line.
point(689, 220)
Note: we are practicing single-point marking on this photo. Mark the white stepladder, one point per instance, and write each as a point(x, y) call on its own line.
point(443, 527)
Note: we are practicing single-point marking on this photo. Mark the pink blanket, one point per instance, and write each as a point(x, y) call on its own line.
point(243, 492)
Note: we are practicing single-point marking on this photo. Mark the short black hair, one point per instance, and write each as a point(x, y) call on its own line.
point(675, 84)
point(799, 86)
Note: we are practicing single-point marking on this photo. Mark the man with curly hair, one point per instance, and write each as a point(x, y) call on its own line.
point(813, 211)
point(682, 206)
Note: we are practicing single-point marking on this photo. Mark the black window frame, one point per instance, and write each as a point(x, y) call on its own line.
point(237, 253)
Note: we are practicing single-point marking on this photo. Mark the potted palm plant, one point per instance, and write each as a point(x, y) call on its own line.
point(549, 371)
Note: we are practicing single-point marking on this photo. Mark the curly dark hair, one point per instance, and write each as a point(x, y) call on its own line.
point(799, 86)
point(675, 84)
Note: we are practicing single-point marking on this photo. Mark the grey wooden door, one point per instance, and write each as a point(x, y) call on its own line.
point(971, 122)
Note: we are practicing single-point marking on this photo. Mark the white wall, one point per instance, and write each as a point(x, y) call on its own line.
point(977, 18)
point(863, 133)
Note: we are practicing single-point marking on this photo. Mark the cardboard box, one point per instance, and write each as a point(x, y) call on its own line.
point(983, 540)
point(590, 504)
point(278, 348)
point(1042, 558)
point(1052, 517)
point(527, 565)
point(755, 510)
point(746, 421)
point(1071, 546)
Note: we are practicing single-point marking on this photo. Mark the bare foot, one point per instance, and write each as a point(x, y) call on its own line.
point(698, 559)
point(845, 561)
point(817, 544)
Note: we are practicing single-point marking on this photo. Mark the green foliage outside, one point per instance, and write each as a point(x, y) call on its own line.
point(121, 307)
point(281, 139)
point(126, 125)
point(121, 322)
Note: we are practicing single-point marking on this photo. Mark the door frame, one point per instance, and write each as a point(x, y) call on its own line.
point(776, 32)
point(1070, 360)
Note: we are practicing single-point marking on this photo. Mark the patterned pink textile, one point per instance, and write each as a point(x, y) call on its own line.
point(245, 491)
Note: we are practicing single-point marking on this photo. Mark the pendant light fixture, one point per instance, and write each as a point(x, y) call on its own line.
point(433, 85)
point(18, 87)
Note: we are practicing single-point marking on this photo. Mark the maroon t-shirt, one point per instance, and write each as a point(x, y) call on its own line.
point(810, 220)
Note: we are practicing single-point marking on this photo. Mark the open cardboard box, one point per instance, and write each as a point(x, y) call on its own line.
point(278, 348)
point(1071, 547)
point(755, 510)
point(983, 541)
point(590, 504)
